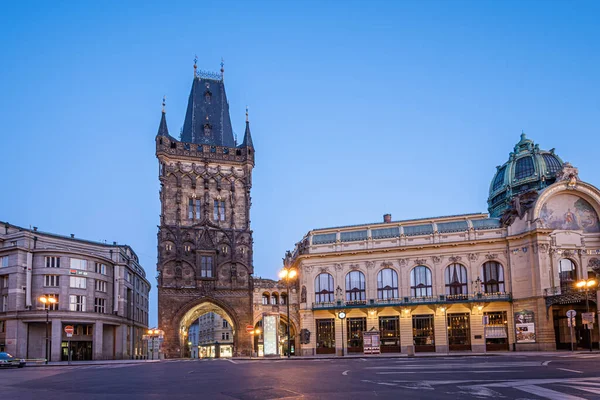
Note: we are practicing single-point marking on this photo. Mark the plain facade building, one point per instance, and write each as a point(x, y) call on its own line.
point(100, 289)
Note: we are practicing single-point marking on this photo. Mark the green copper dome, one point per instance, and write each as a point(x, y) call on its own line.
point(528, 168)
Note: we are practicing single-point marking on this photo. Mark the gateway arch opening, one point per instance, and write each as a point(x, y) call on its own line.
point(207, 331)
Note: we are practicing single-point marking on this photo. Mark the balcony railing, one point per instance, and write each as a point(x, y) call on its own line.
point(412, 301)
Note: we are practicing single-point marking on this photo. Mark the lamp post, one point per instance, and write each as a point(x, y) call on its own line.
point(587, 284)
point(341, 315)
point(287, 273)
point(47, 301)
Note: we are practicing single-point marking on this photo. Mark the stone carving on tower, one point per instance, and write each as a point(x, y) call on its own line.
point(204, 238)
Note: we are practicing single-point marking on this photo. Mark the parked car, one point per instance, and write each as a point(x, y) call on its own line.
point(7, 360)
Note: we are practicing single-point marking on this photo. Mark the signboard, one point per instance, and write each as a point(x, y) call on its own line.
point(270, 335)
point(371, 343)
point(571, 313)
point(69, 330)
point(525, 326)
point(587, 318)
point(249, 328)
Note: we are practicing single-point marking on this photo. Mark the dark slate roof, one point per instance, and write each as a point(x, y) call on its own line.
point(247, 137)
point(208, 108)
point(162, 128)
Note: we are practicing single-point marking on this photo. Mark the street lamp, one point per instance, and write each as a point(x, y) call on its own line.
point(287, 273)
point(47, 301)
point(587, 284)
point(341, 315)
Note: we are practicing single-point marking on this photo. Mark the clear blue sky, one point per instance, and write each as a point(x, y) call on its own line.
point(357, 108)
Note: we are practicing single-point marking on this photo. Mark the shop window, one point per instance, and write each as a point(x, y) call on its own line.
point(325, 337)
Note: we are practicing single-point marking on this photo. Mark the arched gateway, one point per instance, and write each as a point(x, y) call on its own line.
point(204, 239)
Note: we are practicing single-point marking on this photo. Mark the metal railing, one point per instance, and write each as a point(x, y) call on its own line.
point(410, 301)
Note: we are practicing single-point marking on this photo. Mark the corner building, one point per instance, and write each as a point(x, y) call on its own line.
point(100, 289)
point(473, 282)
point(204, 239)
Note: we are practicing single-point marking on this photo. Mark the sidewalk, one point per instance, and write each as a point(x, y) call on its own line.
point(91, 362)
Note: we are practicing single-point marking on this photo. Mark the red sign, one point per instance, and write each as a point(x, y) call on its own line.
point(69, 329)
point(249, 328)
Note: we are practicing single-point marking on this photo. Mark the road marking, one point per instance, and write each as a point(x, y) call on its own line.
point(570, 370)
point(345, 373)
point(545, 363)
point(585, 389)
point(547, 393)
point(454, 366)
point(231, 361)
point(437, 372)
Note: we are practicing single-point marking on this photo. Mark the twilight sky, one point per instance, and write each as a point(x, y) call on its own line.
point(357, 108)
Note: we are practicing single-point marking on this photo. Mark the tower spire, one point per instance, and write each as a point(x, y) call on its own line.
point(222, 68)
point(247, 142)
point(247, 120)
point(195, 65)
point(163, 104)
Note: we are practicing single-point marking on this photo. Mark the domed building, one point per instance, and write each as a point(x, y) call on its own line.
point(473, 282)
point(528, 168)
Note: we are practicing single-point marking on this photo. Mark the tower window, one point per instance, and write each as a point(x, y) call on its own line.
point(219, 210)
point(206, 267)
point(207, 130)
point(194, 209)
point(207, 96)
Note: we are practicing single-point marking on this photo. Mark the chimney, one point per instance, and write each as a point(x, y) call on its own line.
point(72, 235)
point(35, 228)
point(387, 218)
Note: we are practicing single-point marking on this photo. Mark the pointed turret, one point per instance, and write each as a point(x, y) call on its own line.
point(247, 142)
point(162, 128)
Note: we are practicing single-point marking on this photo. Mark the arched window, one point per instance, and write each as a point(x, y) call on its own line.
point(420, 282)
point(265, 298)
point(274, 299)
point(567, 274)
point(387, 284)
point(355, 286)
point(456, 279)
point(323, 288)
point(493, 277)
point(283, 299)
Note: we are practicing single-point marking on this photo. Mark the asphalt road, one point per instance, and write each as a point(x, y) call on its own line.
point(560, 377)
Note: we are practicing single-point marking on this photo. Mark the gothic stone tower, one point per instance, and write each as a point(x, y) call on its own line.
point(204, 239)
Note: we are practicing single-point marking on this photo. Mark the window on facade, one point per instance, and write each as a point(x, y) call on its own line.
point(493, 277)
point(524, 167)
point(355, 286)
point(499, 179)
point(52, 306)
point(456, 279)
point(552, 164)
point(100, 286)
point(128, 276)
point(99, 305)
point(89, 330)
point(78, 264)
point(323, 288)
point(206, 267)
point(219, 210)
point(224, 335)
point(5, 303)
point(207, 130)
point(283, 299)
point(51, 280)
point(52, 262)
point(4, 261)
point(387, 284)
point(100, 269)
point(420, 282)
point(265, 298)
point(76, 303)
point(567, 274)
point(194, 209)
point(225, 324)
point(77, 282)
point(2, 327)
point(4, 282)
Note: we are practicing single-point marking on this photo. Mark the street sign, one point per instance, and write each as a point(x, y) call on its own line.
point(587, 318)
point(69, 330)
point(571, 313)
point(570, 322)
point(249, 328)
